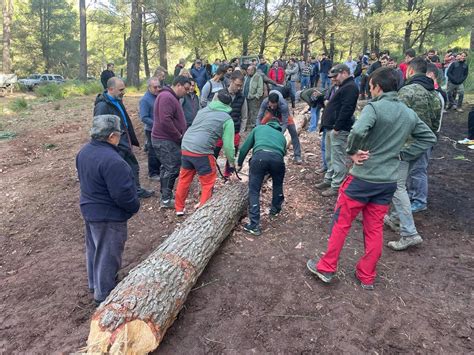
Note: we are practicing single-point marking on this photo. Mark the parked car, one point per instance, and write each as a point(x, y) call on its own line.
point(41, 79)
point(7, 82)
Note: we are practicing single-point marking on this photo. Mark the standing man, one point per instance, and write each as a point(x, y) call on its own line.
point(212, 123)
point(110, 103)
point(199, 74)
point(108, 199)
point(107, 74)
point(213, 86)
point(457, 74)
point(263, 65)
point(337, 120)
point(253, 92)
point(352, 64)
point(376, 146)
point(269, 148)
point(306, 72)
point(146, 107)
point(409, 55)
point(291, 72)
point(190, 103)
point(178, 67)
point(326, 65)
point(315, 72)
point(215, 66)
point(169, 126)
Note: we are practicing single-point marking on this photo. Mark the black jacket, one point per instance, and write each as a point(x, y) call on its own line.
point(339, 111)
point(103, 106)
point(105, 76)
point(457, 72)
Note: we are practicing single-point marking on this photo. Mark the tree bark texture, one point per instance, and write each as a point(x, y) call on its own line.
point(146, 63)
point(288, 29)
point(472, 39)
point(7, 10)
point(162, 40)
point(263, 40)
point(83, 41)
point(133, 54)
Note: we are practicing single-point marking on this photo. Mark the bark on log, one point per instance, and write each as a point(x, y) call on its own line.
point(135, 316)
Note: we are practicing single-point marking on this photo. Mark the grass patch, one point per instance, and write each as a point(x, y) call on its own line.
point(50, 91)
point(19, 104)
point(53, 92)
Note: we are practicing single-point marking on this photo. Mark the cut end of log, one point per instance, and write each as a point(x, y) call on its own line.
point(135, 337)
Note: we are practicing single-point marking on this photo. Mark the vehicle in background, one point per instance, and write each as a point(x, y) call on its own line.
point(41, 79)
point(7, 82)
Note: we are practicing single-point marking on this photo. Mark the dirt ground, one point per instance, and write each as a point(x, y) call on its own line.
point(256, 294)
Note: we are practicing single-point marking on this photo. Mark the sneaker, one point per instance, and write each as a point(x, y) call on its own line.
point(330, 192)
point(460, 110)
point(167, 203)
point(252, 230)
point(368, 287)
point(323, 185)
point(274, 212)
point(298, 160)
point(180, 213)
point(321, 170)
point(154, 177)
point(418, 207)
point(325, 277)
point(390, 223)
point(405, 242)
point(143, 193)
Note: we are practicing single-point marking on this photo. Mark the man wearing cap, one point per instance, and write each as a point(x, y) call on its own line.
point(197, 148)
point(337, 120)
point(108, 199)
point(199, 73)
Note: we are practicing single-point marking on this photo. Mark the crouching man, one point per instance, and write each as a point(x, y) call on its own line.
point(211, 123)
point(269, 148)
point(376, 146)
point(108, 199)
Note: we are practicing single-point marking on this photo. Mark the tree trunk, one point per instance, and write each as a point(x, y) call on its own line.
point(135, 316)
point(263, 39)
point(146, 64)
point(7, 10)
point(222, 49)
point(133, 55)
point(332, 46)
point(378, 9)
point(163, 45)
point(305, 29)
point(288, 29)
point(83, 41)
point(409, 26)
point(472, 39)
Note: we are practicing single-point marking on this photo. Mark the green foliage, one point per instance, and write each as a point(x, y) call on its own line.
point(469, 83)
point(78, 88)
point(19, 104)
point(50, 91)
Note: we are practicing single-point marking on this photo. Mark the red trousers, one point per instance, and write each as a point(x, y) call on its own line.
point(205, 166)
point(373, 200)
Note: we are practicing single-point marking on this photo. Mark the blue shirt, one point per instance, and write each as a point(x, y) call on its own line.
point(115, 102)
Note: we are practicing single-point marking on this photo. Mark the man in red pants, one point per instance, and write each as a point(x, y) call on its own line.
point(197, 148)
point(376, 144)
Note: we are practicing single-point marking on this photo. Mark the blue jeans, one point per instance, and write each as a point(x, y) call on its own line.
point(295, 141)
point(325, 81)
point(323, 149)
point(262, 163)
point(305, 82)
point(417, 181)
point(292, 92)
point(313, 123)
point(105, 242)
point(401, 204)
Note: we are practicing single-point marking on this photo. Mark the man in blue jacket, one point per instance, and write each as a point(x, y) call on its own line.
point(108, 199)
point(199, 73)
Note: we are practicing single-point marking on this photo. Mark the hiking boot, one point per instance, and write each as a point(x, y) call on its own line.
point(322, 185)
point(143, 193)
point(325, 277)
point(167, 203)
point(330, 192)
point(252, 230)
point(368, 287)
point(405, 242)
point(154, 177)
point(418, 207)
point(298, 160)
point(390, 223)
point(274, 212)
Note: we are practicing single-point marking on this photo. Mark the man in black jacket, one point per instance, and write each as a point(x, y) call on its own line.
point(107, 74)
point(337, 120)
point(110, 103)
point(457, 74)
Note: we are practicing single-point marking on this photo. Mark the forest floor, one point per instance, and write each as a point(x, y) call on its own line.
point(256, 295)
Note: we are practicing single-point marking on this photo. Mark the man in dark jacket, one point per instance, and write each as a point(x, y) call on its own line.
point(108, 199)
point(457, 74)
point(199, 73)
point(169, 126)
point(110, 103)
point(337, 119)
point(190, 103)
point(107, 74)
point(146, 106)
point(325, 66)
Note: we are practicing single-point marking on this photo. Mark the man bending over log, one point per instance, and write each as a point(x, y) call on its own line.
point(108, 199)
point(269, 148)
point(211, 123)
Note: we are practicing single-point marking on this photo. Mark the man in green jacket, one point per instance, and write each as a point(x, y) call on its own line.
point(269, 148)
point(376, 144)
point(253, 92)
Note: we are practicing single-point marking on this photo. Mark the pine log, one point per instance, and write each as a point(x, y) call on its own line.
point(135, 316)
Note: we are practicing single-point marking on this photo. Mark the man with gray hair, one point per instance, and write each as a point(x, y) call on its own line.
point(108, 199)
point(110, 103)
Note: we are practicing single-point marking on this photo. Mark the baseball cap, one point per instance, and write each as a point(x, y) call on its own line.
point(338, 68)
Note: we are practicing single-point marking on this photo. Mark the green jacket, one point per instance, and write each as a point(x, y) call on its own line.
point(256, 86)
point(383, 128)
point(264, 137)
point(419, 95)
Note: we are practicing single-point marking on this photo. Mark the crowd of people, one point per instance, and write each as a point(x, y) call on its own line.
point(210, 108)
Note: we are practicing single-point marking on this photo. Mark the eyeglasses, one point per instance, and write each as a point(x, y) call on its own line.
point(157, 87)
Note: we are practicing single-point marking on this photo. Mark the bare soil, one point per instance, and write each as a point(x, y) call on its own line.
point(256, 295)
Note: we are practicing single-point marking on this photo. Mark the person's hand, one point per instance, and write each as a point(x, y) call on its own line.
point(335, 132)
point(361, 156)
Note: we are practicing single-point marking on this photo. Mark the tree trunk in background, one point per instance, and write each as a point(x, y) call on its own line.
point(162, 42)
point(7, 10)
point(378, 10)
point(472, 39)
point(133, 55)
point(288, 29)
point(263, 39)
point(409, 26)
point(304, 28)
point(83, 41)
point(146, 64)
point(332, 46)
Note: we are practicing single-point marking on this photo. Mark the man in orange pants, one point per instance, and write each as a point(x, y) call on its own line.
point(211, 123)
